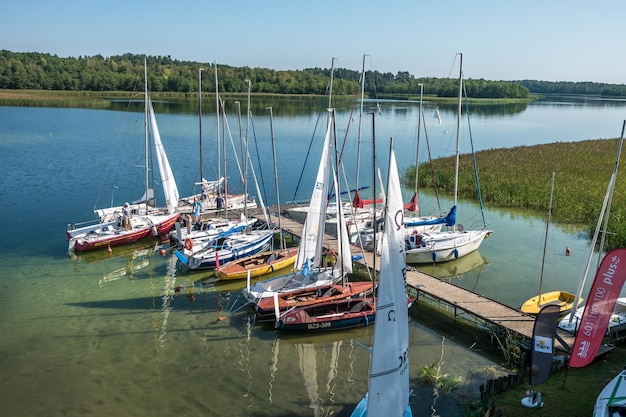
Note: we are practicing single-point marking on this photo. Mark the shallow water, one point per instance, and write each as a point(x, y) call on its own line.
point(127, 334)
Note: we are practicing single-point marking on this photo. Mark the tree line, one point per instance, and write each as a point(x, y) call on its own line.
point(39, 71)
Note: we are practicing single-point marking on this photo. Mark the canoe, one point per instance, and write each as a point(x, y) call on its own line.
point(265, 309)
point(612, 399)
point(564, 299)
point(258, 264)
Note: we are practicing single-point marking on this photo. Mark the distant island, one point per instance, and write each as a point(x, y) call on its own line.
point(39, 71)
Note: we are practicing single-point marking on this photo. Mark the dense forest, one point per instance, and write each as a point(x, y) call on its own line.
point(38, 71)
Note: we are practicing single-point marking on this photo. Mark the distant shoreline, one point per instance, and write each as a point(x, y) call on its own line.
point(102, 99)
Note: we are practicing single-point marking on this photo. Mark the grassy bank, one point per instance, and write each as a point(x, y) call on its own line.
point(520, 177)
point(570, 392)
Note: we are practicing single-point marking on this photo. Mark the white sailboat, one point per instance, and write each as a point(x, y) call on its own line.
point(612, 399)
point(213, 195)
point(563, 299)
point(388, 392)
point(308, 272)
point(146, 220)
point(434, 247)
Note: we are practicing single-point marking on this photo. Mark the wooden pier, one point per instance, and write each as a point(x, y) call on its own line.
point(464, 302)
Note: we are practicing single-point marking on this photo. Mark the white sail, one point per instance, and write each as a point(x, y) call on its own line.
point(167, 177)
point(344, 255)
point(388, 393)
point(313, 231)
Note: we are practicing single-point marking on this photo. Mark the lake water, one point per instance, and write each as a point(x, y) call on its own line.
point(126, 334)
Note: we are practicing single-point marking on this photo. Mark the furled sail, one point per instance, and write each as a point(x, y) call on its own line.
point(167, 177)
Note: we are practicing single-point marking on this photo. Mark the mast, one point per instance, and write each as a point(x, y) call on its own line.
point(374, 225)
point(282, 242)
point(458, 131)
point(147, 133)
point(607, 197)
point(200, 122)
point(332, 72)
point(246, 157)
point(545, 242)
point(217, 123)
point(417, 148)
point(358, 148)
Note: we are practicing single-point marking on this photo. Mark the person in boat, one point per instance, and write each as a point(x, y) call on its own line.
point(126, 218)
point(197, 210)
point(330, 258)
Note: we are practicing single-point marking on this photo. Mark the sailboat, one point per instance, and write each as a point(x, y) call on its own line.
point(563, 299)
point(388, 391)
point(213, 193)
point(145, 221)
point(308, 272)
point(263, 263)
point(434, 247)
point(612, 399)
point(329, 312)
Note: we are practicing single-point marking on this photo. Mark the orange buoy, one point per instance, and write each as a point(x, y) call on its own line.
point(188, 243)
point(568, 251)
point(163, 252)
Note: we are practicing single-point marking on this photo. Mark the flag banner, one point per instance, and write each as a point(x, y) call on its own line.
point(601, 301)
point(357, 202)
point(437, 115)
point(543, 343)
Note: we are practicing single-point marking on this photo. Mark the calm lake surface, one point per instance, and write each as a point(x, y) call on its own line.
point(127, 334)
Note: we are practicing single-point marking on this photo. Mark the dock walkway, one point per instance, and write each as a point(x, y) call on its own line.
point(464, 302)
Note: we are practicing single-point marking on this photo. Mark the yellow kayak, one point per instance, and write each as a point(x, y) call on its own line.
point(563, 299)
point(259, 264)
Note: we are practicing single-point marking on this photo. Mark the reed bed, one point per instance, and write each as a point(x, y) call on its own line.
point(520, 177)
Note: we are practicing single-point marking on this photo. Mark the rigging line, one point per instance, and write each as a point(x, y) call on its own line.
point(345, 138)
point(256, 145)
point(480, 197)
point(117, 141)
point(308, 152)
point(430, 161)
point(375, 90)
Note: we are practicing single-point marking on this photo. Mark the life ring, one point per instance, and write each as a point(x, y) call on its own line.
point(188, 243)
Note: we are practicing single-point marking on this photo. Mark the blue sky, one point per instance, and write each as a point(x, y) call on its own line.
point(550, 40)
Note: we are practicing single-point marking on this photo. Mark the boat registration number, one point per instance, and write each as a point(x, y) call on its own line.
point(322, 325)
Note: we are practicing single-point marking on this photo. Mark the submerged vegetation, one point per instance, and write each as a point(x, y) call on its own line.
point(520, 177)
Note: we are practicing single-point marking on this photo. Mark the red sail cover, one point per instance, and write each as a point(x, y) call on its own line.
point(600, 304)
point(543, 343)
point(358, 202)
point(411, 205)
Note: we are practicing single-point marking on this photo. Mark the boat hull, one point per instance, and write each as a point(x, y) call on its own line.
point(563, 299)
point(451, 246)
point(111, 235)
point(266, 311)
point(612, 398)
point(617, 322)
point(329, 316)
point(361, 409)
point(210, 259)
point(295, 281)
point(258, 265)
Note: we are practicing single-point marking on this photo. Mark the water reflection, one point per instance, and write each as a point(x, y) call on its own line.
point(455, 268)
